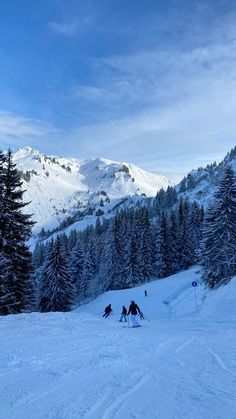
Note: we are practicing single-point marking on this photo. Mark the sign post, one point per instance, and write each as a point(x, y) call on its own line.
point(194, 285)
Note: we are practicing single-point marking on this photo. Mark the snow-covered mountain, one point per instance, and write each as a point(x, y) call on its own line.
point(201, 184)
point(58, 187)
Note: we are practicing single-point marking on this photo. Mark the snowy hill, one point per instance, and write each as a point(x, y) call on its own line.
point(201, 184)
point(59, 187)
point(181, 364)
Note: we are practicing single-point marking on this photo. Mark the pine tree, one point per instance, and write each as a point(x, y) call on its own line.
point(146, 245)
point(196, 223)
point(77, 264)
point(185, 249)
point(126, 257)
point(127, 273)
point(111, 257)
point(182, 185)
point(89, 269)
point(174, 245)
point(38, 256)
point(2, 200)
point(190, 182)
point(57, 291)
point(163, 251)
point(72, 240)
point(218, 245)
point(137, 248)
point(7, 292)
point(171, 197)
point(15, 230)
point(160, 200)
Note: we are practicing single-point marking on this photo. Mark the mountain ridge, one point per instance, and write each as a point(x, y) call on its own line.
point(59, 187)
point(201, 184)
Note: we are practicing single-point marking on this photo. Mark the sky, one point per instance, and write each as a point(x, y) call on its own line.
point(149, 82)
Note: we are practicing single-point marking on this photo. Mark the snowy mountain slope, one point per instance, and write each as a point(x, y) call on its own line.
point(181, 364)
point(201, 184)
point(60, 187)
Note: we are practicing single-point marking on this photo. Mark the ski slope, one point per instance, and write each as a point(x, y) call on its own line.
point(180, 365)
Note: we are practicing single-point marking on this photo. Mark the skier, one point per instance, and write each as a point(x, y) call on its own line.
point(107, 311)
point(123, 314)
point(145, 293)
point(134, 310)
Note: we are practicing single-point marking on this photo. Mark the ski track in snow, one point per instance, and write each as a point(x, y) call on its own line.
point(76, 365)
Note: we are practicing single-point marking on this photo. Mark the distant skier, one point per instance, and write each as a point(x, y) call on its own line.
point(123, 314)
point(134, 310)
point(107, 311)
point(145, 293)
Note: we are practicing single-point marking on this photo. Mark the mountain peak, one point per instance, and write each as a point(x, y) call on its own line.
point(25, 152)
point(60, 187)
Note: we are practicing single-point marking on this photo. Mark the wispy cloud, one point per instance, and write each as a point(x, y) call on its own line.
point(64, 28)
point(177, 102)
point(72, 27)
point(158, 76)
point(17, 131)
point(188, 114)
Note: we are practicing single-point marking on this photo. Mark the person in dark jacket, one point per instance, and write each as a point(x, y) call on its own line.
point(133, 311)
point(145, 293)
point(107, 311)
point(123, 314)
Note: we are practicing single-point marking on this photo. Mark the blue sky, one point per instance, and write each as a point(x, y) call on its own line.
point(151, 82)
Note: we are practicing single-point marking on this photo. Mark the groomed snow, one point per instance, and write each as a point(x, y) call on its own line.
point(180, 365)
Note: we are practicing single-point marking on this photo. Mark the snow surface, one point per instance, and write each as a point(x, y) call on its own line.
point(59, 186)
point(180, 365)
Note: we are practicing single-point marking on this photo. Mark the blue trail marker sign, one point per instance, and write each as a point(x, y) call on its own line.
point(194, 285)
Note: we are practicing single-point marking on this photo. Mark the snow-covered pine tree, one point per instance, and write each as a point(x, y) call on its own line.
point(77, 264)
point(218, 244)
point(89, 269)
point(196, 223)
point(111, 258)
point(159, 202)
point(185, 245)
point(136, 260)
point(174, 247)
point(183, 185)
point(190, 182)
point(163, 261)
point(171, 197)
point(15, 230)
point(38, 256)
point(72, 240)
point(98, 227)
point(2, 201)
point(137, 247)
point(57, 292)
point(64, 242)
point(146, 245)
point(7, 292)
point(126, 265)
